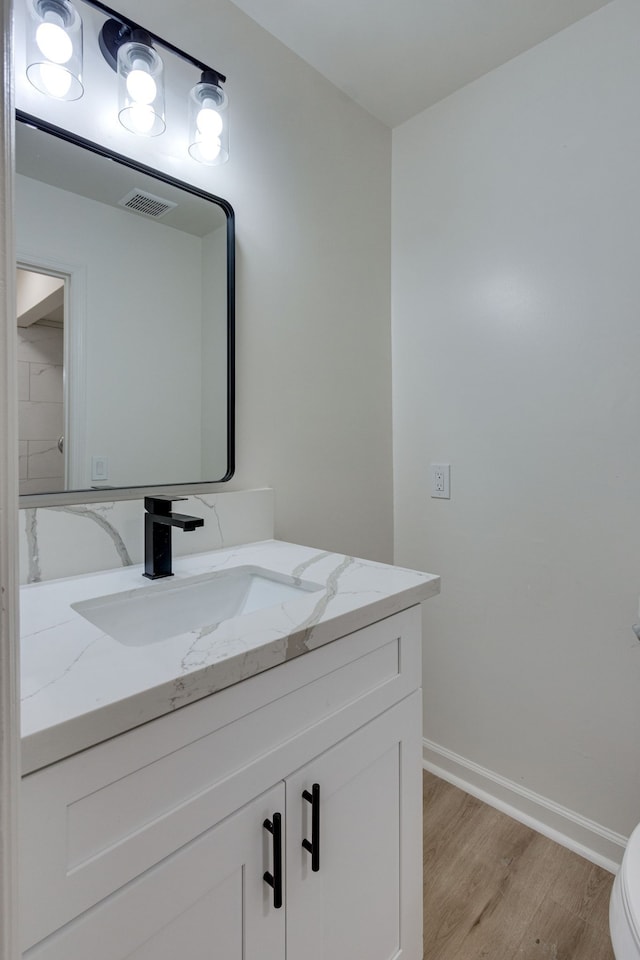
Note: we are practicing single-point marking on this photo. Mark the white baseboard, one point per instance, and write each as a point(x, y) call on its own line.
point(585, 837)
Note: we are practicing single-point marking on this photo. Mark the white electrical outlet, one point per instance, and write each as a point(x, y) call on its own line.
point(99, 468)
point(441, 481)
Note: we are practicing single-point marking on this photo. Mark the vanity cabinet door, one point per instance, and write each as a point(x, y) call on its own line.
point(208, 900)
point(365, 900)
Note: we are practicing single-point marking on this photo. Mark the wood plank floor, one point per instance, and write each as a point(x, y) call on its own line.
point(496, 889)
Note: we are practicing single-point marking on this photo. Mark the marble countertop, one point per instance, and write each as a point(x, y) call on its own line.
point(81, 686)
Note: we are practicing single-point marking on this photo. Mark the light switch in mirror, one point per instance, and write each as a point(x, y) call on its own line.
point(125, 320)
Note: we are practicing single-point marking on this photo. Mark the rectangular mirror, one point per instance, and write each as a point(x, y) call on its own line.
point(125, 320)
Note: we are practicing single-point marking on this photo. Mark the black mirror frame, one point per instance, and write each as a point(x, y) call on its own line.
point(102, 151)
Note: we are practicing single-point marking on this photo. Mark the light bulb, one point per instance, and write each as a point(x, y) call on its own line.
point(54, 42)
point(54, 49)
point(56, 79)
point(141, 86)
point(209, 148)
point(140, 89)
point(209, 121)
point(141, 117)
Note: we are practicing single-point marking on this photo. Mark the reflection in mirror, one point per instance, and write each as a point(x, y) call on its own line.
point(40, 312)
point(125, 317)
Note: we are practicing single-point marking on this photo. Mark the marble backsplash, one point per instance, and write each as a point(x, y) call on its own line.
point(84, 538)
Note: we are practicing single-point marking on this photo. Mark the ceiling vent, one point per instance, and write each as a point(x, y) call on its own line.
point(147, 204)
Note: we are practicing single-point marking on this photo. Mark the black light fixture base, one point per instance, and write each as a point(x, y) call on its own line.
point(213, 77)
point(114, 33)
point(120, 20)
point(111, 38)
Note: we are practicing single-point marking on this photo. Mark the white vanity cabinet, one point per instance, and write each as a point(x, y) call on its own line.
point(206, 900)
point(153, 844)
point(351, 907)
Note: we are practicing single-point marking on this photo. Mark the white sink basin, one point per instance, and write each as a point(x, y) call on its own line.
point(171, 607)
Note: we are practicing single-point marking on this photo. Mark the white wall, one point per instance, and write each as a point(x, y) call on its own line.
point(309, 178)
point(516, 338)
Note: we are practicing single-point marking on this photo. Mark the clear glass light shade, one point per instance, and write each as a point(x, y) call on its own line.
point(140, 90)
point(54, 48)
point(208, 124)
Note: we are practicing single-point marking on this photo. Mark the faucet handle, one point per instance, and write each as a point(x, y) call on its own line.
point(160, 505)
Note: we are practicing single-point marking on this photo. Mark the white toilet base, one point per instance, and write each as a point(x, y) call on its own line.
point(625, 946)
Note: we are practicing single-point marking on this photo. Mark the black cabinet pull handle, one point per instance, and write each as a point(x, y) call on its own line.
point(314, 846)
point(275, 879)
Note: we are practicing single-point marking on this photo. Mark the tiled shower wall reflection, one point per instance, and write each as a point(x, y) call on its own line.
point(40, 408)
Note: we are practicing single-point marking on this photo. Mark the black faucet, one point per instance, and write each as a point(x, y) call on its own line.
point(158, 521)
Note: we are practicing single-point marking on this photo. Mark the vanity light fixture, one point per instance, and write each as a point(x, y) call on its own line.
point(208, 124)
point(129, 51)
point(54, 48)
point(54, 66)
